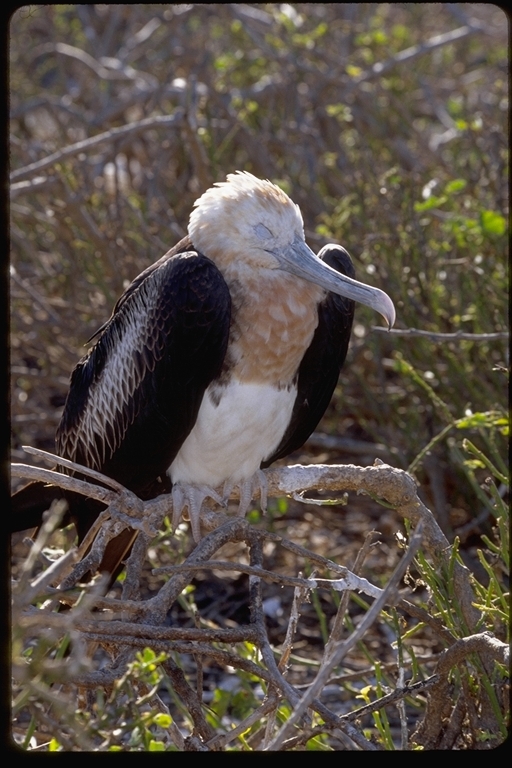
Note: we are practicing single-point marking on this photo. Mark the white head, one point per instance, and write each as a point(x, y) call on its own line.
point(255, 222)
point(244, 218)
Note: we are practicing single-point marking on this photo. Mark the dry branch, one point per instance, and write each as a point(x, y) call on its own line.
point(141, 623)
point(380, 481)
point(335, 651)
point(408, 54)
point(430, 732)
point(114, 134)
point(441, 337)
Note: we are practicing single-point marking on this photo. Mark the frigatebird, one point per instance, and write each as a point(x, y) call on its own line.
point(219, 359)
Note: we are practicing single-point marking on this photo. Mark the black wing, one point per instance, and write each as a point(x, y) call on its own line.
point(135, 397)
point(184, 245)
point(321, 365)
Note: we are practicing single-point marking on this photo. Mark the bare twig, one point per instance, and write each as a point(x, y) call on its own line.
point(103, 72)
point(484, 642)
point(52, 458)
point(269, 705)
point(190, 700)
point(160, 121)
point(190, 126)
point(457, 336)
point(408, 54)
point(35, 295)
point(392, 698)
point(336, 651)
point(349, 581)
point(338, 624)
point(279, 681)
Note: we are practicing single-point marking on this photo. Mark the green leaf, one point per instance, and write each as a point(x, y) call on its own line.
point(493, 223)
point(432, 202)
point(380, 37)
point(474, 464)
point(162, 720)
point(457, 185)
point(353, 70)
point(54, 746)
point(341, 111)
point(482, 419)
point(156, 746)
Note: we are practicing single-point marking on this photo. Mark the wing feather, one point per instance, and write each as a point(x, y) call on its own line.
point(134, 398)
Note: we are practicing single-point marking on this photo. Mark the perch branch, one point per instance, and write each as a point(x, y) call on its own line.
point(380, 481)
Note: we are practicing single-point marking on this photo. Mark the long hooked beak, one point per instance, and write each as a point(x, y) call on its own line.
point(300, 260)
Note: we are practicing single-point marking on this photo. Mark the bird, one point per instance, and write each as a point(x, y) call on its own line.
point(219, 359)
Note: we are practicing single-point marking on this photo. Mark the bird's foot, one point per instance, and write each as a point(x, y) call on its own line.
point(192, 496)
point(248, 488)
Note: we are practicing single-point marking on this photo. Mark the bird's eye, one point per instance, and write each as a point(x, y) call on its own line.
point(262, 232)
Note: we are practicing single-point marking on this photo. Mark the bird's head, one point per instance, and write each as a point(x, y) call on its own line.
point(255, 222)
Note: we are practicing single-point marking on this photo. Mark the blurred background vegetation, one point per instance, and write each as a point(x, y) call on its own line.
point(386, 123)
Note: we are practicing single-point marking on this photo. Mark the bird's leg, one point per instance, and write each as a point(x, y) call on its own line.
point(247, 491)
point(191, 496)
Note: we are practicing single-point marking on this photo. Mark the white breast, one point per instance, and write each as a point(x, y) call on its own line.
point(238, 426)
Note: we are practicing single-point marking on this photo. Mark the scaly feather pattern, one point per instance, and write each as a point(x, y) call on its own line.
point(142, 384)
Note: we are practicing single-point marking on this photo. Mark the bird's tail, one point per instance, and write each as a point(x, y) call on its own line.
point(30, 502)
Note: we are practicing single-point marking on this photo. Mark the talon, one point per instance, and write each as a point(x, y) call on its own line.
point(247, 491)
point(262, 479)
point(226, 491)
point(245, 497)
point(191, 496)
